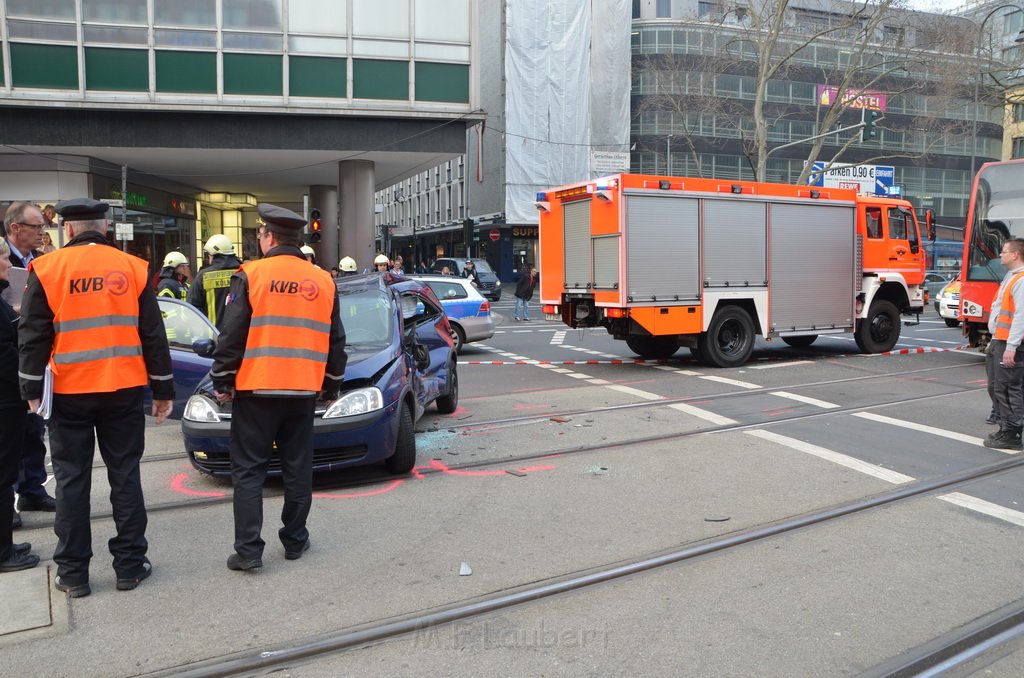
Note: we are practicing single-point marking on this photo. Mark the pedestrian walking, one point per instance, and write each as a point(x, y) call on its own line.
point(13, 413)
point(24, 224)
point(209, 290)
point(1004, 361)
point(524, 292)
point(174, 277)
point(90, 314)
point(282, 345)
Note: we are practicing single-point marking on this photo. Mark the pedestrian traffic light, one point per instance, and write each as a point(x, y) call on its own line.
point(868, 119)
point(467, 232)
point(314, 225)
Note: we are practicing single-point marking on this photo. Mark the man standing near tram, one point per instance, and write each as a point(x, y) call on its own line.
point(209, 289)
point(282, 343)
point(89, 312)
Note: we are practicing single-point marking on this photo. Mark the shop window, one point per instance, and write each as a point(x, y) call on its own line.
point(316, 76)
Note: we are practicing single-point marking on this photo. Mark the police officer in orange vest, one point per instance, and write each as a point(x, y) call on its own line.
point(90, 314)
point(282, 344)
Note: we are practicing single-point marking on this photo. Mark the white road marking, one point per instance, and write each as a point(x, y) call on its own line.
point(914, 426)
point(634, 392)
point(835, 457)
point(703, 414)
point(561, 370)
point(786, 364)
point(804, 399)
point(599, 382)
point(731, 382)
point(986, 507)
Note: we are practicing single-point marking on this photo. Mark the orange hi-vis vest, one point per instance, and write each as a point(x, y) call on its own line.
point(1006, 309)
point(93, 291)
point(290, 330)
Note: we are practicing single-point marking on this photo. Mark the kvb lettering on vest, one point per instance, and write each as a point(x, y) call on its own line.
point(83, 285)
point(284, 287)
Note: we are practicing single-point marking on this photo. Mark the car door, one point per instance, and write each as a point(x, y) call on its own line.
point(184, 325)
point(431, 332)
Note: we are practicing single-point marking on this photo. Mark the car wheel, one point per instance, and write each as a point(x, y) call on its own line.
point(951, 322)
point(458, 336)
point(880, 331)
point(729, 340)
point(800, 342)
point(404, 457)
point(447, 403)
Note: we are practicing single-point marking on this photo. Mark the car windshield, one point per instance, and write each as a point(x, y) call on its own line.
point(366, 316)
point(482, 266)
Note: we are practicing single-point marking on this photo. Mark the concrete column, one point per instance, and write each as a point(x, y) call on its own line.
point(325, 199)
point(356, 183)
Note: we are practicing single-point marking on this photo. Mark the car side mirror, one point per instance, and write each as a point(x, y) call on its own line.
point(422, 356)
point(204, 347)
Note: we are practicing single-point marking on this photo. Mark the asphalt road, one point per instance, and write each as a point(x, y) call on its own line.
point(567, 456)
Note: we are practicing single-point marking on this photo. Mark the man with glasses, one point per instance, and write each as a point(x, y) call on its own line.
point(24, 225)
point(1004, 362)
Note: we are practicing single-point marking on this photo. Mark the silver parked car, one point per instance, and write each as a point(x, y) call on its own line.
point(469, 314)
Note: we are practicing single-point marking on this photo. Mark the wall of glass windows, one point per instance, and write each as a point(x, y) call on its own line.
point(303, 52)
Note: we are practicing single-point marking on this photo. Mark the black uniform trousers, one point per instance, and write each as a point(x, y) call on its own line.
point(33, 460)
point(257, 422)
point(12, 432)
point(117, 421)
point(1005, 384)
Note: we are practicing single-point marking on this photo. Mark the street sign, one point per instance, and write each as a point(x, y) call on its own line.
point(114, 202)
point(124, 231)
point(609, 162)
point(494, 234)
point(870, 179)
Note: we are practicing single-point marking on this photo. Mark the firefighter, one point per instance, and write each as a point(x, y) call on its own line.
point(90, 313)
point(282, 344)
point(381, 263)
point(174, 277)
point(210, 287)
point(309, 253)
point(348, 266)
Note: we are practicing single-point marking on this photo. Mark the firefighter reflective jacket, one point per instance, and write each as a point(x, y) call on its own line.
point(290, 329)
point(93, 291)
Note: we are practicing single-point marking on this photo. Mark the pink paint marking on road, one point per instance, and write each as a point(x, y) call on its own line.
point(178, 485)
point(358, 495)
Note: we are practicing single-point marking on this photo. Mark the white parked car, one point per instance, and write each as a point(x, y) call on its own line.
point(947, 303)
point(469, 314)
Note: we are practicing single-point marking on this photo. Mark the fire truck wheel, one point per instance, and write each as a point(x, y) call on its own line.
point(729, 340)
point(653, 348)
point(695, 352)
point(880, 331)
point(800, 342)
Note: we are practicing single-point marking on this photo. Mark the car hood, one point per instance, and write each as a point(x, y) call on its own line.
point(364, 363)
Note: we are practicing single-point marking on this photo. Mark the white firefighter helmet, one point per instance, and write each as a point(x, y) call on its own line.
point(219, 244)
point(307, 250)
point(174, 259)
point(381, 259)
point(348, 264)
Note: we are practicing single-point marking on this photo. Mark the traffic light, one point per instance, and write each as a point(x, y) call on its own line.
point(467, 233)
point(315, 225)
point(868, 118)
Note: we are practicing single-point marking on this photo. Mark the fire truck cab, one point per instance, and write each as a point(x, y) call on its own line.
point(663, 262)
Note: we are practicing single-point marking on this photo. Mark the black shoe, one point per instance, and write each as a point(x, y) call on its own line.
point(992, 419)
point(21, 548)
point(15, 522)
point(18, 561)
point(129, 583)
point(1007, 439)
point(73, 590)
point(295, 555)
point(43, 503)
point(237, 562)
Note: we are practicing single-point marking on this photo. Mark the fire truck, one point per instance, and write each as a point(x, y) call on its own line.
point(664, 262)
point(995, 214)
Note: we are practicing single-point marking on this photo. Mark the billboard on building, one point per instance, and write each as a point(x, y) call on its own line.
point(870, 179)
point(828, 95)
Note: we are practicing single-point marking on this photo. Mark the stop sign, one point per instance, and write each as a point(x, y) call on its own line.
point(494, 234)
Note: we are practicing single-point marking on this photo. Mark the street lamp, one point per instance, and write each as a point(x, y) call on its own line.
point(977, 81)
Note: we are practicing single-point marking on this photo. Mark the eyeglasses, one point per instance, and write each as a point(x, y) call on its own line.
point(36, 227)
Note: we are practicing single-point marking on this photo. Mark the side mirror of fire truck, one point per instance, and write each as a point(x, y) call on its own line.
point(929, 223)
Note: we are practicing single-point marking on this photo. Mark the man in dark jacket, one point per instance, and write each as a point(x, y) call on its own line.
point(210, 287)
point(524, 292)
point(89, 310)
point(13, 412)
point(24, 224)
point(282, 344)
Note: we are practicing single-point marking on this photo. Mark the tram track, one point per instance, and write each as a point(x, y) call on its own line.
point(519, 460)
point(305, 650)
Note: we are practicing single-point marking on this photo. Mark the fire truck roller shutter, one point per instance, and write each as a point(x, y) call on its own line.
point(811, 267)
point(576, 225)
point(735, 233)
point(663, 248)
